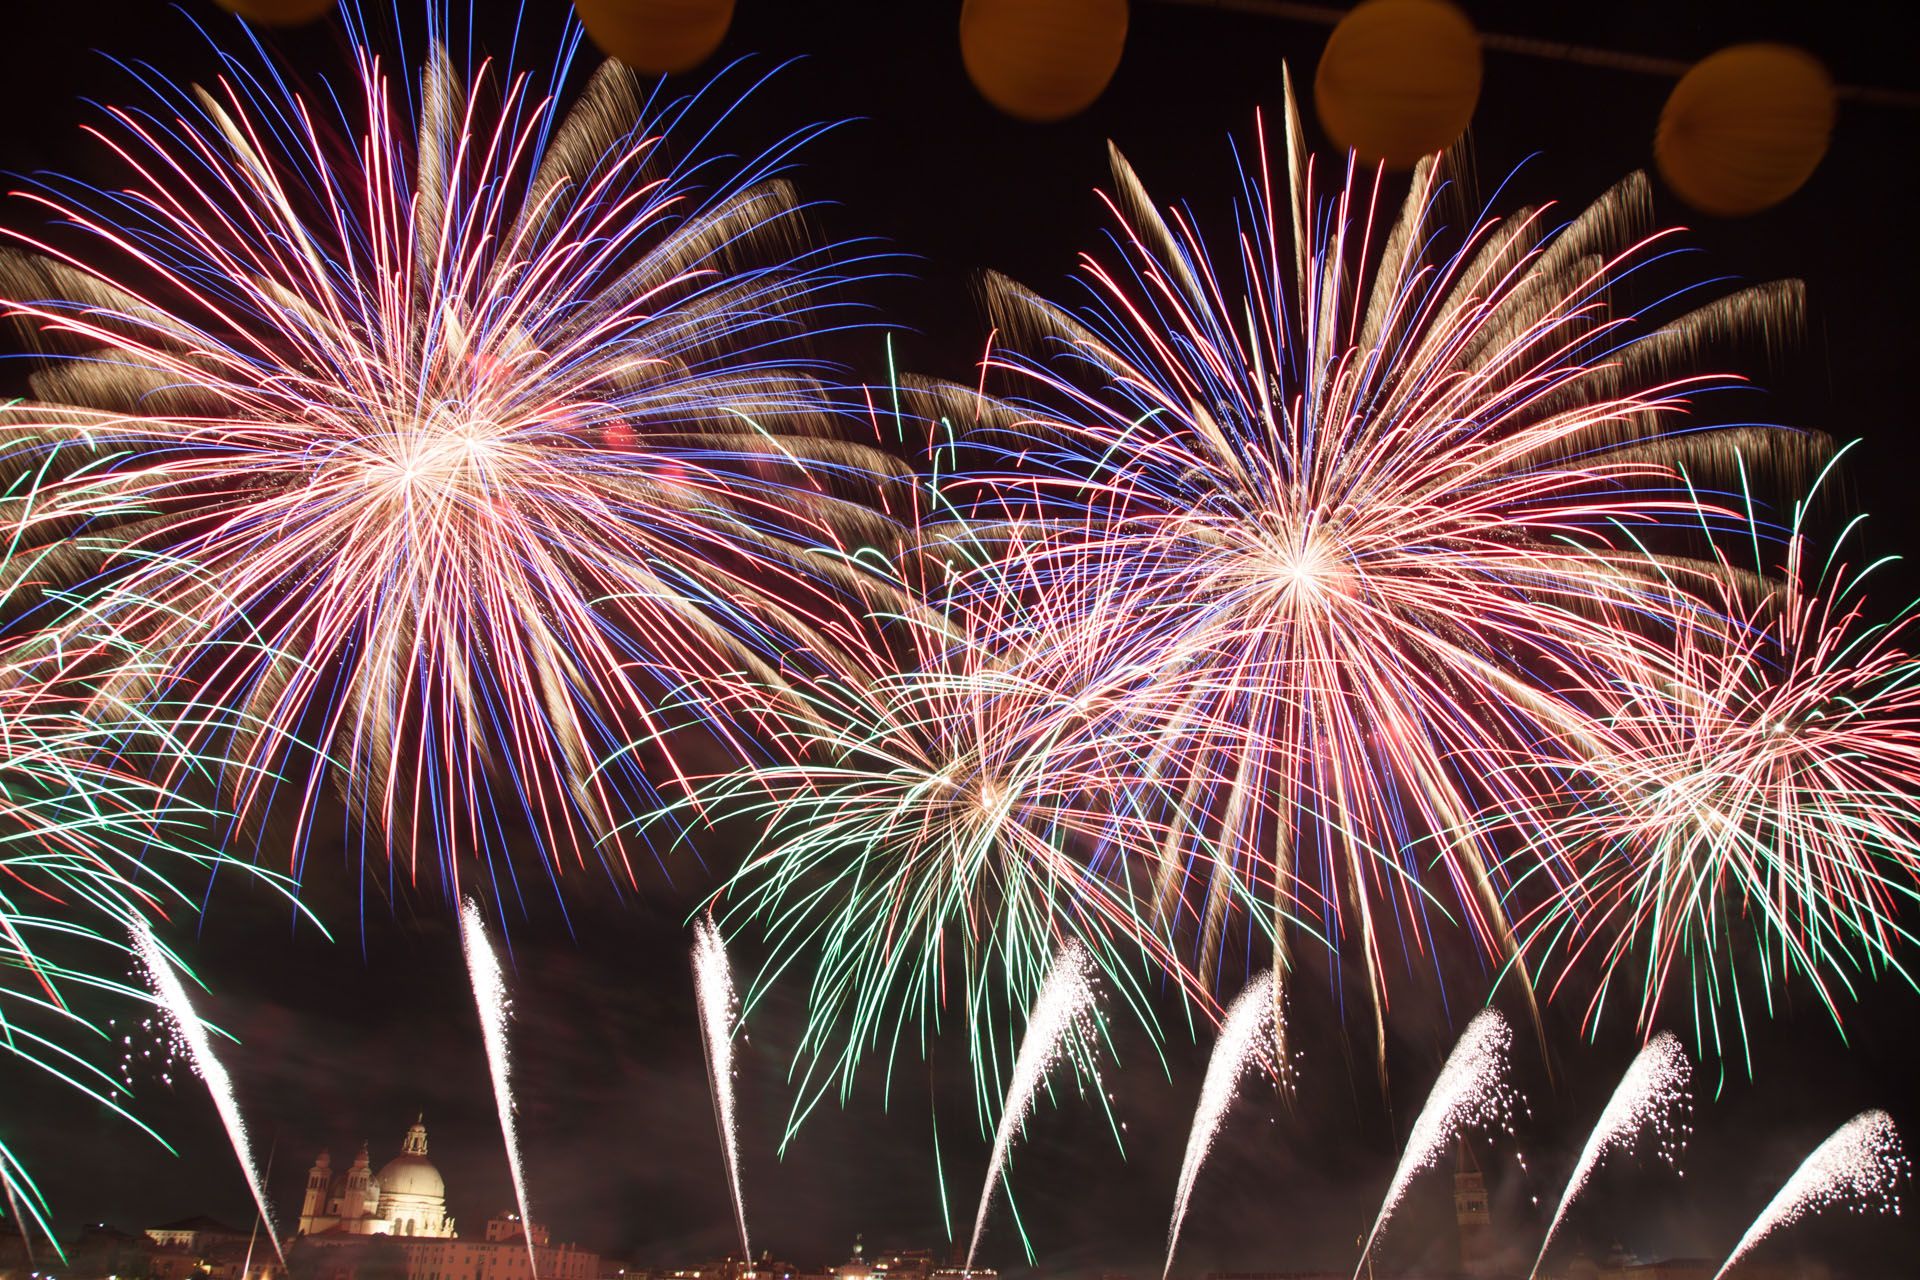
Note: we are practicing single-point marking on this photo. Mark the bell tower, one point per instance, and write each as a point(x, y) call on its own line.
point(415, 1143)
point(314, 1204)
point(362, 1198)
point(1470, 1212)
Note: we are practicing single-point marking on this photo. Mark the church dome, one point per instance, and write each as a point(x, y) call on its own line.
point(410, 1173)
point(407, 1175)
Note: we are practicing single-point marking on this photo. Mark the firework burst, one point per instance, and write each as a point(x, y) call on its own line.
point(1359, 496)
point(944, 817)
point(1747, 795)
point(467, 449)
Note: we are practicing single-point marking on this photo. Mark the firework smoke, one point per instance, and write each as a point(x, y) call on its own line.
point(172, 995)
point(1472, 1092)
point(490, 998)
point(713, 986)
point(1861, 1166)
point(1647, 1098)
point(1054, 1028)
point(1246, 1041)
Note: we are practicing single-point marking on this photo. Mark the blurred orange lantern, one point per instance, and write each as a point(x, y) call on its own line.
point(1042, 60)
point(278, 13)
point(1398, 79)
point(1745, 128)
point(657, 36)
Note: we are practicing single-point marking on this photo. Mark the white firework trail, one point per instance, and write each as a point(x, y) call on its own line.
point(490, 998)
point(1471, 1093)
point(1058, 1025)
point(1861, 1166)
point(713, 988)
point(171, 994)
point(1651, 1097)
point(1246, 1042)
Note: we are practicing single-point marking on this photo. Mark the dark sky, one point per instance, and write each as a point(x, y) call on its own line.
point(344, 1040)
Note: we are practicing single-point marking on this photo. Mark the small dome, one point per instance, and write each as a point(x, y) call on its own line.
point(411, 1175)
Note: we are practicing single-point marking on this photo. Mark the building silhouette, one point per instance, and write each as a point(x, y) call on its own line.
point(1471, 1216)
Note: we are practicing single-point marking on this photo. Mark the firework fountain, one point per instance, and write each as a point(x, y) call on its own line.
point(713, 987)
point(172, 996)
point(1056, 1027)
point(1647, 1099)
point(490, 998)
point(1245, 1043)
point(1861, 1166)
point(1472, 1092)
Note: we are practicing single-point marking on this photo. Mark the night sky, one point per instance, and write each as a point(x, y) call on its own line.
point(345, 1040)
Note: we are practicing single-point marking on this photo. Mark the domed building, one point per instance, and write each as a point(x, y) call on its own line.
point(407, 1197)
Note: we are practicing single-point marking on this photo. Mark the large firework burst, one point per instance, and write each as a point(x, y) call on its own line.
point(466, 451)
point(946, 815)
point(1740, 808)
point(1362, 495)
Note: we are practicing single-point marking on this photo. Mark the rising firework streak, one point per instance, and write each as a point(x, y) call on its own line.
point(1057, 1027)
point(490, 998)
point(1651, 1098)
point(1472, 1092)
point(713, 987)
point(172, 996)
point(1860, 1166)
point(1246, 1043)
